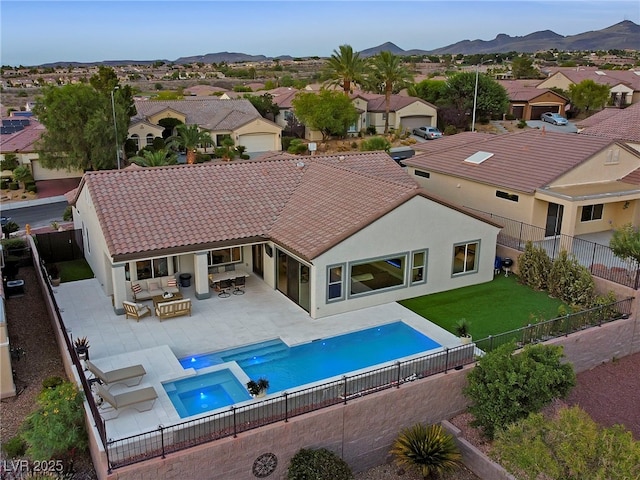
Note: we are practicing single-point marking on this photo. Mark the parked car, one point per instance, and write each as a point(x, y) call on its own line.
point(554, 118)
point(428, 133)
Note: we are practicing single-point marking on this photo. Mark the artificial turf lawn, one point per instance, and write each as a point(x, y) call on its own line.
point(498, 306)
point(75, 270)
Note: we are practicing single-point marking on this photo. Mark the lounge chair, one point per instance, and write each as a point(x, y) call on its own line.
point(132, 398)
point(119, 375)
point(135, 310)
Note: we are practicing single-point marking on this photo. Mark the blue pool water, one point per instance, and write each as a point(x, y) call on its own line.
point(290, 367)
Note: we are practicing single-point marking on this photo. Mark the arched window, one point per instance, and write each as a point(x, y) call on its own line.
point(136, 139)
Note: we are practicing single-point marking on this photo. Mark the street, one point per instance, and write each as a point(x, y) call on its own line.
point(36, 216)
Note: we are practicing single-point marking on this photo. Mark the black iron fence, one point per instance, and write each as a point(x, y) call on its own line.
point(599, 259)
point(165, 440)
point(559, 327)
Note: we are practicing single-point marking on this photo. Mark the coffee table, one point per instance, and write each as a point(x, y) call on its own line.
point(157, 299)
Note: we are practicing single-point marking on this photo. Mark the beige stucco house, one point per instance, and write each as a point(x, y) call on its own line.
point(237, 119)
point(331, 233)
point(527, 102)
point(563, 183)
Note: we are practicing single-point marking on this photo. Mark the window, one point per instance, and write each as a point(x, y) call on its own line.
point(136, 139)
point(418, 267)
point(158, 267)
point(507, 196)
point(378, 274)
point(613, 157)
point(224, 255)
point(591, 212)
point(335, 290)
point(149, 140)
point(465, 258)
point(420, 173)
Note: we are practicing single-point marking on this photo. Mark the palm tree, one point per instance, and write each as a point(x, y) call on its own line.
point(346, 67)
point(426, 448)
point(156, 158)
point(389, 75)
point(189, 137)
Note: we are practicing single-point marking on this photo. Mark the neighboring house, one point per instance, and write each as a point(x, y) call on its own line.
point(615, 124)
point(204, 91)
point(331, 233)
point(237, 119)
point(563, 183)
point(19, 135)
point(527, 102)
point(624, 85)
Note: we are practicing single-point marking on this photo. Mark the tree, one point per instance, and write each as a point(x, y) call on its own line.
point(189, 137)
point(505, 387)
point(625, 242)
point(570, 281)
point(345, 67)
point(21, 174)
point(390, 75)
point(428, 449)
point(264, 104)
point(328, 111)
point(432, 91)
point(588, 95)
point(492, 98)
point(522, 67)
point(155, 158)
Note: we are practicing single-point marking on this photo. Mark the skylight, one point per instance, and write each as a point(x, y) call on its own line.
point(600, 72)
point(478, 157)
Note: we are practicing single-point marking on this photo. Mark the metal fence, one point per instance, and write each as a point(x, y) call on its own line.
point(164, 440)
point(599, 259)
point(559, 327)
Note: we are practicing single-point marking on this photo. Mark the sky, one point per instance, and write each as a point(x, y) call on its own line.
point(37, 32)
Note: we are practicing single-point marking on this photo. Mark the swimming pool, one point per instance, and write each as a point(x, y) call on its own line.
point(291, 367)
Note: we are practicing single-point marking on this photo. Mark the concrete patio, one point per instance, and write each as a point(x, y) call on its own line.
point(215, 324)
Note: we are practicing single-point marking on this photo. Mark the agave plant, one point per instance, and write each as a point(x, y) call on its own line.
point(427, 449)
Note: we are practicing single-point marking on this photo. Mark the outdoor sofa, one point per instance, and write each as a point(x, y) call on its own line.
point(149, 288)
point(175, 308)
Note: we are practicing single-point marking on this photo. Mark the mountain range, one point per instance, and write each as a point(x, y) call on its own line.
point(621, 36)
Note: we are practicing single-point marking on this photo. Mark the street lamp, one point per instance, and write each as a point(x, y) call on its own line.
point(115, 125)
point(475, 95)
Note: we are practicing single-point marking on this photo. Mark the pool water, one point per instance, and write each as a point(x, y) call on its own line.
point(291, 367)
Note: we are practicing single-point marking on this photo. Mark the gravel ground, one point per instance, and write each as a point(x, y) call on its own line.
point(608, 392)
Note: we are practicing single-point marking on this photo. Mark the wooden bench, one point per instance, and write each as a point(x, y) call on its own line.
point(175, 308)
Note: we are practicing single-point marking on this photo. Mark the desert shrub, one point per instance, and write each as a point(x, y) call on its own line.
point(31, 187)
point(375, 143)
point(450, 130)
point(571, 282)
point(427, 449)
point(570, 446)
point(286, 141)
point(9, 162)
point(321, 464)
point(4, 183)
point(14, 186)
point(522, 124)
point(509, 116)
point(371, 130)
point(52, 382)
point(297, 146)
point(15, 447)
point(57, 426)
point(244, 156)
point(10, 227)
point(533, 266)
point(354, 145)
point(506, 387)
point(67, 216)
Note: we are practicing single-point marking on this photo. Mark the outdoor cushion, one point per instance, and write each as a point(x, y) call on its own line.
point(136, 287)
point(130, 398)
point(118, 375)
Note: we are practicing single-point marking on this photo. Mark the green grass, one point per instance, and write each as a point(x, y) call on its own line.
point(75, 270)
point(491, 308)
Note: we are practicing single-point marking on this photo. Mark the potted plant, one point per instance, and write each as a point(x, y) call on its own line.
point(81, 345)
point(462, 327)
point(54, 275)
point(258, 388)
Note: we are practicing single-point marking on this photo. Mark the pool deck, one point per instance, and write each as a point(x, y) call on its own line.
point(215, 324)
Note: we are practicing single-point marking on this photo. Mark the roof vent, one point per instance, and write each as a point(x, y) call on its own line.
point(341, 158)
point(478, 157)
point(300, 164)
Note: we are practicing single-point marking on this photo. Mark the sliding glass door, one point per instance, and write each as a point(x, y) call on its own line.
point(293, 279)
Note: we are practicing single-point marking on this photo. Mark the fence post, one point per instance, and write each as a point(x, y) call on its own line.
point(344, 390)
point(398, 382)
point(520, 237)
point(286, 407)
point(161, 428)
point(446, 359)
point(235, 429)
point(490, 342)
point(566, 325)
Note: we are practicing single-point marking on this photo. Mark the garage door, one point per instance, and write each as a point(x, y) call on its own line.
point(257, 142)
point(539, 110)
point(415, 121)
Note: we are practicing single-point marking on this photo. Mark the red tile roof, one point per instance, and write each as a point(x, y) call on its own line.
point(24, 140)
point(522, 161)
point(616, 124)
point(524, 90)
point(306, 203)
point(576, 75)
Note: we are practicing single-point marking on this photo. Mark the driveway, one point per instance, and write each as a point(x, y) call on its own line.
point(571, 128)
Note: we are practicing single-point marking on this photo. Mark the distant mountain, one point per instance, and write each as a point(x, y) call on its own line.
point(385, 47)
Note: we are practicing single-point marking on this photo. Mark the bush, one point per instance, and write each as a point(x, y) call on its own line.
point(522, 124)
point(320, 464)
point(505, 387)
point(9, 228)
point(450, 130)
point(534, 266)
point(14, 186)
point(57, 426)
point(371, 130)
point(571, 282)
point(4, 183)
point(428, 449)
point(244, 156)
point(67, 216)
point(31, 187)
point(52, 382)
point(570, 446)
point(15, 447)
point(286, 141)
point(375, 144)
point(297, 147)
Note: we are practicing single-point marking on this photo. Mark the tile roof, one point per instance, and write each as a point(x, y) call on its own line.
point(522, 161)
point(209, 113)
point(524, 90)
point(630, 78)
point(305, 203)
point(24, 140)
point(376, 102)
point(618, 125)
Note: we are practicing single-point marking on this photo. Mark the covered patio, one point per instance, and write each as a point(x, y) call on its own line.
point(216, 323)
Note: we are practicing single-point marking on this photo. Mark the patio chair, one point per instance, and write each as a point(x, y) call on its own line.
point(225, 285)
point(135, 310)
point(132, 398)
point(119, 375)
point(239, 284)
